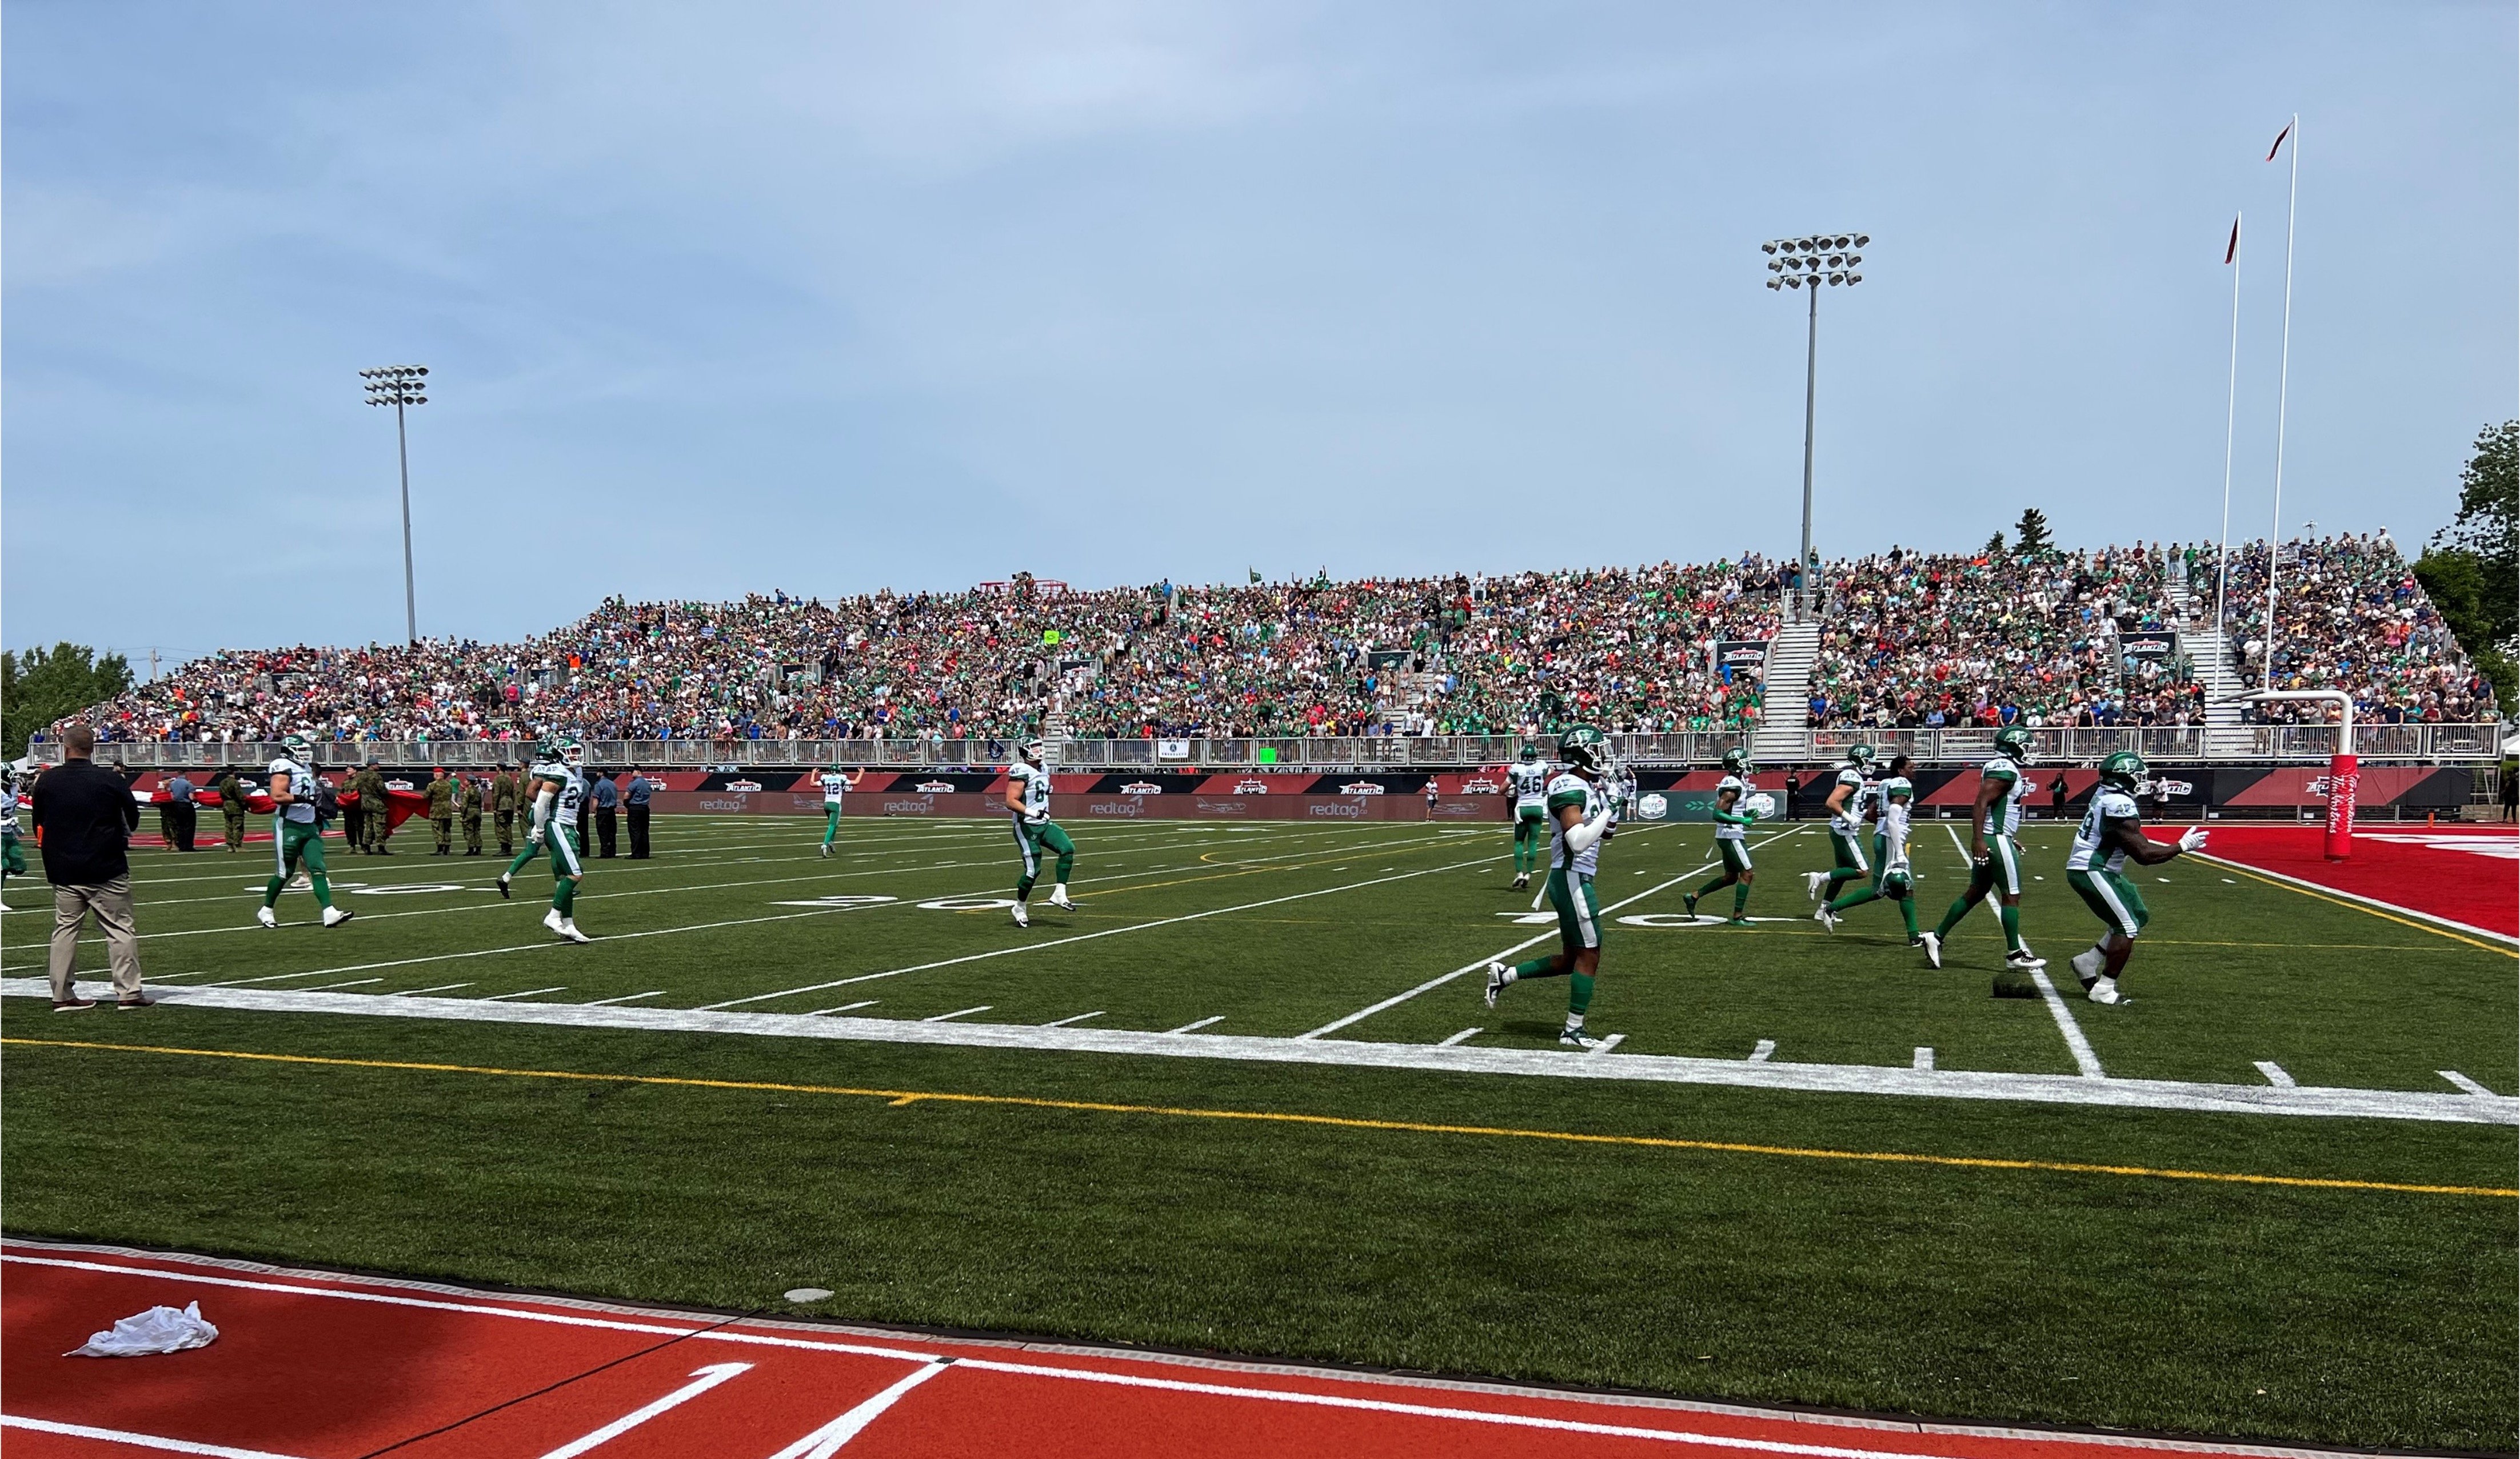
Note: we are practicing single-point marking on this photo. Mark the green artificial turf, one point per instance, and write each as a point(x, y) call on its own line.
point(2361, 1316)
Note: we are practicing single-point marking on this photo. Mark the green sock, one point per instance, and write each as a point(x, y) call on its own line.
point(1579, 994)
point(1952, 918)
point(1539, 967)
point(271, 889)
point(523, 856)
point(1740, 897)
point(323, 888)
point(1714, 887)
point(1908, 911)
point(1856, 899)
point(2011, 918)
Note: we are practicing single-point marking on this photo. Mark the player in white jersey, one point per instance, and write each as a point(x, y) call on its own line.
point(1581, 813)
point(1846, 799)
point(834, 781)
point(555, 787)
point(1894, 878)
point(297, 831)
point(2112, 832)
point(1526, 782)
point(1995, 853)
point(1733, 822)
point(1028, 806)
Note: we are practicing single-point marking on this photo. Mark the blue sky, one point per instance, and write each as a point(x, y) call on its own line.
point(832, 298)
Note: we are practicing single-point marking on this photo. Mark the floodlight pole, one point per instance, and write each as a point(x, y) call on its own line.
point(410, 600)
point(1810, 399)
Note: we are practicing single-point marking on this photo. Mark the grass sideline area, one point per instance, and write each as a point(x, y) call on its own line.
point(1375, 1229)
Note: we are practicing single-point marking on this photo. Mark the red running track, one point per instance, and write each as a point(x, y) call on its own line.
point(310, 1365)
point(2466, 876)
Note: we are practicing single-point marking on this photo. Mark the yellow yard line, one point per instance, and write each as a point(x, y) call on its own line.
point(2355, 906)
point(903, 1097)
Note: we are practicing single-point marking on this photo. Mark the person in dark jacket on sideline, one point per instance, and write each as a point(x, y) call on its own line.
point(84, 816)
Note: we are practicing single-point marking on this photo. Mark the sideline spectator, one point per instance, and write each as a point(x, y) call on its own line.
point(636, 801)
point(84, 817)
point(180, 812)
point(608, 818)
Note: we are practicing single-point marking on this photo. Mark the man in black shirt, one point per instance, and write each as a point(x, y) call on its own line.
point(84, 816)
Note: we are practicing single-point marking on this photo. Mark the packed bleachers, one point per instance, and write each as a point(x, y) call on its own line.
point(1910, 639)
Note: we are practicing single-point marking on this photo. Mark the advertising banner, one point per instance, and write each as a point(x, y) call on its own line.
point(2149, 643)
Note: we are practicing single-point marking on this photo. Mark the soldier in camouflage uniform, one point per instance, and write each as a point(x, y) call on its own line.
point(378, 822)
point(231, 809)
point(441, 812)
point(472, 806)
point(502, 804)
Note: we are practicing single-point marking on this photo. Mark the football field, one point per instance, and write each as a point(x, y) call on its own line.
point(1246, 1097)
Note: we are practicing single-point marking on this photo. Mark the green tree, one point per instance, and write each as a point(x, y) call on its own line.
point(2471, 567)
point(40, 686)
point(2030, 534)
point(1995, 547)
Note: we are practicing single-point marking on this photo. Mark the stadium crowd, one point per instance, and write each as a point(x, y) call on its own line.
point(2350, 614)
point(1912, 639)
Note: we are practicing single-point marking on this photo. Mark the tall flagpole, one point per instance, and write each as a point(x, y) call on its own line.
point(2283, 381)
point(2231, 427)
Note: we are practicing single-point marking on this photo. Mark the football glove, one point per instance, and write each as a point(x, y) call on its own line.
point(533, 840)
point(2192, 839)
point(1036, 822)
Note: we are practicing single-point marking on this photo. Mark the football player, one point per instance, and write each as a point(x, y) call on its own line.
point(2112, 832)
point(1526, 782)
point(1029, 802)
point(1581, 813)
point(1995, 855)
point(1845, 826)
point(1733, 821)
point(1895, 879)
point(12, 861)
point(555, 787)
point(834, 781)
point(296, 832)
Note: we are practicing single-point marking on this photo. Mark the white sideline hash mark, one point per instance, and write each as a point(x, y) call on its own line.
point(1464, 1036)
point(443, 988)
point(626, 998)
point(527, 993)
point(1606, 1044)
point(2275, 1074)
point(1924, 1058)
point(1074, 1018)
point(2464, 1082)
point(844, 1008)
point(956, 1014)
point(1766, 1050)
point(1194, 1028)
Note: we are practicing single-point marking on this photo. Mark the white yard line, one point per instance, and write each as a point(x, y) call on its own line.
point(2467, 1083)
point(1874, 1079)
point(1606, 1044)
point(2275, 1074)
point(1465, 1036)
point(1074, 1018)
point(2085, 1060)
point(845, 1007)
point(626, 998)
point(527, 993)
point(1432, 984)
point(940, 1018)
point(443, 988)
point(353, 982)
point(1111, 931)
point(1193, 1027)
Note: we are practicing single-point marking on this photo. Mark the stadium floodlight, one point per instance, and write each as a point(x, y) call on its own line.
point(1814, 262)
point(401, 386)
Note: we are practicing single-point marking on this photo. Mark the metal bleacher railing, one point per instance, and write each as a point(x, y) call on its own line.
point(2270, 744)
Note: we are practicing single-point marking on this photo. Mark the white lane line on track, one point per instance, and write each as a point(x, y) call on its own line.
point(1074, 1018)
point(706, 1379)
point(1113, 932)
point(1199, 1024)
point(135, 1440)
point(2086, 1063)
point(1666, 1068)
point(940, 1018)
point(1430, 985)
point(2275, 1074)
point(828, 1440)
point(2464, 1082)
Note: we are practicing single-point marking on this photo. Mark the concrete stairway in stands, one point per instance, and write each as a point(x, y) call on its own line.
point(1784, 705)
point(2225, 733)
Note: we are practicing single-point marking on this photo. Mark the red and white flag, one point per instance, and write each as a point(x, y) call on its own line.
point(2280, 140)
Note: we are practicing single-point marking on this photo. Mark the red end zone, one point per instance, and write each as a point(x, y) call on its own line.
point(315, 1366)
point(2465, 876)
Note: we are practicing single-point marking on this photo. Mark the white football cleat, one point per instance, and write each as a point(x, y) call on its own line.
point(552, 920)
point(1813, 882)
point(264, 916)
point(568, 930)
point(1932, 942)
point(1825, 918)
point(1058, 899)
point(825, 850)
point(336, 916)
point(1021, 920)
point(2106, 991)
point(2024, 959)
point(1499, 975)
point(2086, 965)
point(1578, 1038)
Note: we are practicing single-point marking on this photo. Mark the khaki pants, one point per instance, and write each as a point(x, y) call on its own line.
point(111, 902)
